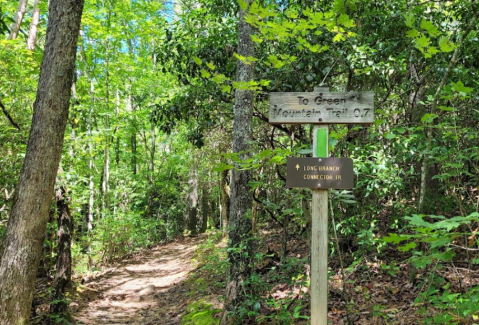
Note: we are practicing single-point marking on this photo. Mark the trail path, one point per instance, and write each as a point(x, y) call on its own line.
point(147, 290)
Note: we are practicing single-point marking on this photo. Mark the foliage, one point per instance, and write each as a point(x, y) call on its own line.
point(200, 313)
point(437, 235)
point(441, 236)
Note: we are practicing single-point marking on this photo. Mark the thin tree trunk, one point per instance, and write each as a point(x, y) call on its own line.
point(193, 199)
point(134, 163)
point(130, 109)
point(204, 208)
point(241, 201)
point(106, 163)
point(91, 200)
point(15, 27)
point(152, 154)
point(117, 144)
point(225, 201)
point(29, 216)
point(64, 254)
point(32, 35)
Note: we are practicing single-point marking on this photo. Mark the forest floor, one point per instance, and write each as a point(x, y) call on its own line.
point(150, 288)
point(172, 284)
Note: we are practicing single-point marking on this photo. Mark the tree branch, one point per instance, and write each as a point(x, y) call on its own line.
point(4, 110)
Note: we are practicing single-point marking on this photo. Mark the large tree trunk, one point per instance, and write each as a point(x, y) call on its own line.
point(32, 35)
point(29, 216)
point(241, 200)
point(15, 28)
point(64, 252)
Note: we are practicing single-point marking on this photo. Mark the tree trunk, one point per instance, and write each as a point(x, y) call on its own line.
point(15, 28)
point(64, 253)
point(29, 216)
point(204, 208)
point(130, 109)
point(46, 260)
point(91, 199)
point(225, 201)
point(193, 200)
point(241, 201)
point(117, 143)
point(32, 35)
point(106, 160)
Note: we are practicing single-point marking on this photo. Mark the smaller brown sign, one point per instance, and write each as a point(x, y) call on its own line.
point(320, 173)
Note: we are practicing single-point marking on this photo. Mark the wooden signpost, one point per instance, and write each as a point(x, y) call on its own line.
point(320, 173)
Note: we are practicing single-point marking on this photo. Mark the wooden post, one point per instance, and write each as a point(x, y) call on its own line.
point(320, 107)
point(319, 234)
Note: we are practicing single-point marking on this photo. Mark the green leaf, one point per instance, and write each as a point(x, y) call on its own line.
point(422, 42)
point(243, 4)
point(429, 27)
point(428, 118)
point(226, 88)
point(222, 166)
point(395, 239)
point(445, 257)
point(390, 136)
point(440, 242)
point(412, 33)
point(277, 63)
point(459, 87)
point(265, 153)
point(205, 74)
point(422, 262)
point(345, 21)
point(255, 184)
point(447, 109)
point(409, 19)
point(445, 45)
point(197, 60)
point(339, 37)
point(407, 247)
point(432, 50)
point(256, 39)
point(277, 160)
point(417, 220)
point(211, 65)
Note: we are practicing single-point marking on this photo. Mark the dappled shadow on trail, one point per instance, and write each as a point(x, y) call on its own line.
point(148, 290)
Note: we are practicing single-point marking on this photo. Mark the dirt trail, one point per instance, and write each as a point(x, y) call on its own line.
point(147, 290)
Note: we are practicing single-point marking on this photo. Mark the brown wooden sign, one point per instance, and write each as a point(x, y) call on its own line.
point(321, 108)
point(320, 173)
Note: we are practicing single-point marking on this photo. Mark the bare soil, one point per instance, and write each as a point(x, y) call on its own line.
point(148, 289)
